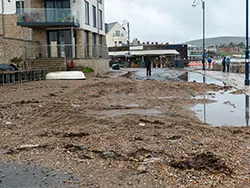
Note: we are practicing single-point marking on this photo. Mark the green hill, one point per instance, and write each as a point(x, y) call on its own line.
point(217, 40)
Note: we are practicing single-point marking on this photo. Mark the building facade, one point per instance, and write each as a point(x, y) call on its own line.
point(116, 35)
point(63, 28)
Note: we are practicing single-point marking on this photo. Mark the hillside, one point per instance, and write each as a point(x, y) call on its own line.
point(217, 40)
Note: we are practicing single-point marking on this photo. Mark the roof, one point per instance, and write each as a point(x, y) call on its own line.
point(109, 26)
point(145, 52)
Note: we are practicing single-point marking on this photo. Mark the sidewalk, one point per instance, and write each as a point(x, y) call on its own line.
point(235, 80)
point(117, 73)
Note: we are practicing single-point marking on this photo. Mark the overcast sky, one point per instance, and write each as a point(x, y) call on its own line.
point(176, 20)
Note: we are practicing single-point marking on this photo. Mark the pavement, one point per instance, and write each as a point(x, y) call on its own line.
point(235, 80)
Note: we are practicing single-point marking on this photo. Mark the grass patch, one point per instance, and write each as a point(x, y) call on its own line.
point(87, 70)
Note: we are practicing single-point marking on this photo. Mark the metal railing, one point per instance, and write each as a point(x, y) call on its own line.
point(48, 15)
point(65, 51)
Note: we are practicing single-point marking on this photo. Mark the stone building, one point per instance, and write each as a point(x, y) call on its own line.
point(66, 29)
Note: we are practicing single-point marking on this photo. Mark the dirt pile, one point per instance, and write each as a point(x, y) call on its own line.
point(68, 125)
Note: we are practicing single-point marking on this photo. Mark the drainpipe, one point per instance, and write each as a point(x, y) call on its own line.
point(2, 18)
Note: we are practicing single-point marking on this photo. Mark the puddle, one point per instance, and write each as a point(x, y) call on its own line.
point(228, 110)
point(146, 112)
point(201, 78)
point(24, 175)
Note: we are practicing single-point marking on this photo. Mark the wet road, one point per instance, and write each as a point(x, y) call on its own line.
point(229, 109)
point(14, 175)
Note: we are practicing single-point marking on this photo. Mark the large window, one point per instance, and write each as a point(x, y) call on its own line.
point(86, 12)
point(18, 6)
point(54, 16)
point(100, 20)
point(94, 16)
point(60, 43)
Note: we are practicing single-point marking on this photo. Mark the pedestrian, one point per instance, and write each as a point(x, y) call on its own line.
point(148, 67)
point(209, 60)
point(224, 64)
point(228, 63)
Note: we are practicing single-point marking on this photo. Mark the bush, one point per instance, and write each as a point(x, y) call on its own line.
point(87, 70)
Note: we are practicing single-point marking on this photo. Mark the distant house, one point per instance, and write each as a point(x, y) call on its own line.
point(116, 35)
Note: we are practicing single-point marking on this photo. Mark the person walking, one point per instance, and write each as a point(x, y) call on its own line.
point(209, 60)
point(224, 64)
point(228, 63)
point(148, 67)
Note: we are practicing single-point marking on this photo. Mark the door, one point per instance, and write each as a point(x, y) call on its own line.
point(53, 43)
point(60, 43)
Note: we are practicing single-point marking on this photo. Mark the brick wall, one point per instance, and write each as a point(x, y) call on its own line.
point(80, 43)
point(11, 48)
point(100, 66)
point(40, 35)
point(11, 30)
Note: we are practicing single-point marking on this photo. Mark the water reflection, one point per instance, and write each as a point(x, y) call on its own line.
point(205, 116)
point(229, 109)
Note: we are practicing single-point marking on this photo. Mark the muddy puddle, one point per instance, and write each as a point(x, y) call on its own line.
point(229, 109)
point(27, 175)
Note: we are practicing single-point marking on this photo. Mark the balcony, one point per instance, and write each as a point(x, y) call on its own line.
point(48, 17)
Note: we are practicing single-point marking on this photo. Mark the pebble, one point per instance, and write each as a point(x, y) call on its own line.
point(109, 153)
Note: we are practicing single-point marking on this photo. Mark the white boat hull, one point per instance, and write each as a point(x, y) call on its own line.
point(66, 75)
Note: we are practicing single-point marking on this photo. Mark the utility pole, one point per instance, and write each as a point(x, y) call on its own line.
point(195, 3)
point(247, 49)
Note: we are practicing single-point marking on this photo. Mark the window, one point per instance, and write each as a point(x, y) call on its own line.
point(18, 7)
point(86, 12)
point(100, 20)
point(94, 16)
point(117, 33)
point(100, 40)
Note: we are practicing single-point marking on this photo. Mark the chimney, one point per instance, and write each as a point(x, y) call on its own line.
point(147, 42)
point(156, 43)
point(143, 42)
point(152, 43)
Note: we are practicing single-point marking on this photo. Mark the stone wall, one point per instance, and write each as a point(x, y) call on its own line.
point(80, 43)
point(11, 30)
point(40, 35)
point(100, 66)
point(11, 48)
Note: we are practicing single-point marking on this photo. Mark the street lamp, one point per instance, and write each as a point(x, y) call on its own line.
point(125, 22)
point(247, 49)
point(195, 3)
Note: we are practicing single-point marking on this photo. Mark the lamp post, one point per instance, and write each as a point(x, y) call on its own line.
point(203, 48)
point(125, 22)
point(247, 49)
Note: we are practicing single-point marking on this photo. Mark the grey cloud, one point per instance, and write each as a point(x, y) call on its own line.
point(177, 20)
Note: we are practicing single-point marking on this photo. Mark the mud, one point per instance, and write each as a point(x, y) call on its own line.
point(60, 125)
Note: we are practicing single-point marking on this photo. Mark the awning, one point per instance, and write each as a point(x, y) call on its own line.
point(144, 53)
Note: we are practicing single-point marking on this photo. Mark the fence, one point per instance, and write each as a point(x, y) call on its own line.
point(66, 51)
